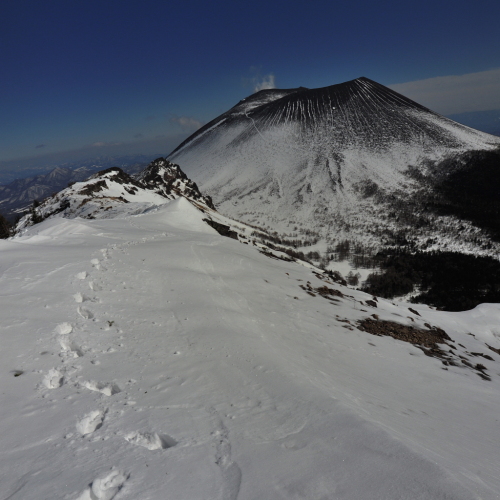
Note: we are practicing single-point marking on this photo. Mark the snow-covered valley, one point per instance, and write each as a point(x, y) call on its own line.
point(148, 357)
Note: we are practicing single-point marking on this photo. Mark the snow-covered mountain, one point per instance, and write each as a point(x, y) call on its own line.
point(353, 161)
point(17, 195)
point(147, 357)
point(113, 193)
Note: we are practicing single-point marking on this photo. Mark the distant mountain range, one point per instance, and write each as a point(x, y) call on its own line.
point(18, 195)
point(353, 162)
point(40, 165)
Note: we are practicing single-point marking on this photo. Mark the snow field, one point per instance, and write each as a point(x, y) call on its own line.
point(195, 367)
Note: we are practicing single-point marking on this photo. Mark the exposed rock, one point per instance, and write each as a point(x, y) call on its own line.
point(493, 349)
point(326, 292)
point(222, 229)
point(90, 189)
point(167, 179)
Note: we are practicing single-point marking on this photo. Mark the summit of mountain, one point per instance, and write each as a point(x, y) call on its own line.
point(354, 161)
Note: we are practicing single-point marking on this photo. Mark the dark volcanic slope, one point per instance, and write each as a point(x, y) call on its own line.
point(329, 159)
point(358, 110)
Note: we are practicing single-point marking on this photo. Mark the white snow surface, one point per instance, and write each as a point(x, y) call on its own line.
point(147, 357)
point(113, 199)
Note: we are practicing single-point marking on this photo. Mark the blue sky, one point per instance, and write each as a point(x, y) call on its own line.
point(127, 75)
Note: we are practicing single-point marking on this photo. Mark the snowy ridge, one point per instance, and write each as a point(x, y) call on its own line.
point(305, 159)
point(106, 194)
point(113, 193)
point(147, 354)
point(18, 194)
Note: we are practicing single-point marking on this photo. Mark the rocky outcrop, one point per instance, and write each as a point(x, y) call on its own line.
point(168, 180)
point(114, 193)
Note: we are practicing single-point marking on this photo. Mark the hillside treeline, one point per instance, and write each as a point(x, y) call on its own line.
point(447, 280)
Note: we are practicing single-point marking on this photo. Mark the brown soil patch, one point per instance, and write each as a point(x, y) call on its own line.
point(427, 338)
point(324, 291)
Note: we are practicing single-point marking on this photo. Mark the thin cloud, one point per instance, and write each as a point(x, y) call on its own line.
point(101, 144)
point(187, 123)
point(455, 94)
point(40, 146)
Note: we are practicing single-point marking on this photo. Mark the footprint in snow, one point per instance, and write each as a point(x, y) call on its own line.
point(90, 422)
point(106, 388)
point(230, 470)
point(94, 286)
point(106, 256)
point(63, 328)
point(150, 440)
point(80, 297)
point(70, 348)
point(85, 313)
point(96, 263)
point(105, 486)
point(54, 379)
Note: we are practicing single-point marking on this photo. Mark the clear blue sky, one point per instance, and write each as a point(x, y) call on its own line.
point(141, 75)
